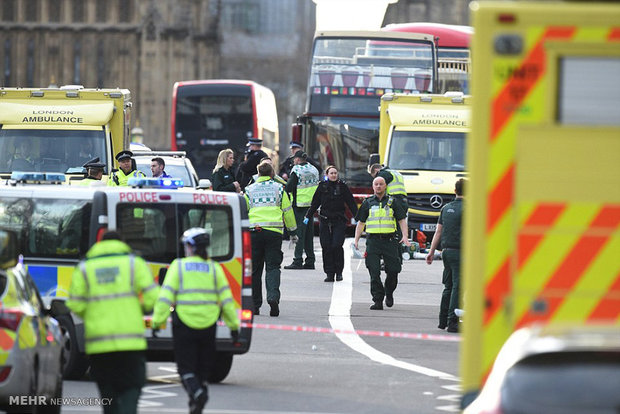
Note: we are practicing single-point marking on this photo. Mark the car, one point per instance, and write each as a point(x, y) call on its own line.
point(31, 341)
point(554, 369)
point(177, 166)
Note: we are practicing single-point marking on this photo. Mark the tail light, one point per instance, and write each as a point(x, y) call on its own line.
point(4, 373)
point(247, 258)
point(10, 318)
point(100, 232)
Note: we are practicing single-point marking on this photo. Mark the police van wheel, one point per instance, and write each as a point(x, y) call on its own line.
point(221, 367)
point(75, 362)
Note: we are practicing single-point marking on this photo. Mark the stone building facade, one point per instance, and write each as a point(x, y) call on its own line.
point(147, 45)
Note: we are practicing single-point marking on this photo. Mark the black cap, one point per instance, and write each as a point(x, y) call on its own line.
point(94, 163)
point(123, 155)
point(255, 141)
point(296, 144)
point(300, 154)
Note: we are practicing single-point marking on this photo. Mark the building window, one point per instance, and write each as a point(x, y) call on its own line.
point(241, 15)
point(77, 57)
point(78, 11)
point(125, 11)
point(30, 64)
point(7, 62)
point(55, 9)
point(31, 10)
point(8, 10)
point(101, 11)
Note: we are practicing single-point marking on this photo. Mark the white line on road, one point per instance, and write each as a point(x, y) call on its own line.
point(340, 319)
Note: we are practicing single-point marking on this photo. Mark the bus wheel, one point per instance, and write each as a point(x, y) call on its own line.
point(75, 363)
point(221, 367)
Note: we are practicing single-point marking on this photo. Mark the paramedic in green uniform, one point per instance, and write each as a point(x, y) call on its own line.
point(380, 215)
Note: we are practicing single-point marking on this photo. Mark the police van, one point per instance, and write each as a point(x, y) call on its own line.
point(56, 228)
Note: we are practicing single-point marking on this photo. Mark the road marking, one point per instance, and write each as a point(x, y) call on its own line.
point(340, 320)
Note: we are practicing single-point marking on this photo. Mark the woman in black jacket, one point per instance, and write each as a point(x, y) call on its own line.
point(223, 177)
point(331, 196)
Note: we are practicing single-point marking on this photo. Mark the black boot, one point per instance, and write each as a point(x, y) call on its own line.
point(329, 278)
point(339, 277)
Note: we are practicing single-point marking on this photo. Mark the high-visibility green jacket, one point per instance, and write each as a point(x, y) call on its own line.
point(199, 292)
point(87, 182)
point(307, 183)
point(123, 178)
point(110, 290)
point(380, 218)
point(395, 182)
point(268, 205)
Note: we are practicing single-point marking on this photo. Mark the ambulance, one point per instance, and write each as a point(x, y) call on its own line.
point(542, 207)
point(59, 129)
point(423, 138)
point(56, 228)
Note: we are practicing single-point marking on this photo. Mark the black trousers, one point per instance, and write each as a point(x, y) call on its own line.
point(331, 235)
point(267, 254)
point(194, 353)
point(120, 377)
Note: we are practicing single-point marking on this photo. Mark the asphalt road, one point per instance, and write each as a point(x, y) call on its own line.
point(328, 353)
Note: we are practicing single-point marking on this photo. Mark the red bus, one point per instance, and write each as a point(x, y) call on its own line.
point(211, 115)
point(350, 71)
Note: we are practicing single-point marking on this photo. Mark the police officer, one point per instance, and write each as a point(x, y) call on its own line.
point(289, 162)
point(223, 177)
point(331, 196)
point(302, 184)
point(448, 233)
point(275, 177)
point(268, 206)
point(127, 169)
point(111, 290)
point(94, 172)
point(248, 167)
point(380, 215)
point(197, 288)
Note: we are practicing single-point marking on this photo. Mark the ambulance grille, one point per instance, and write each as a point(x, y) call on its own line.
point(423, 201)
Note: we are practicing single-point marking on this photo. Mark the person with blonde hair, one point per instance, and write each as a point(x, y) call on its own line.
point(223, 177)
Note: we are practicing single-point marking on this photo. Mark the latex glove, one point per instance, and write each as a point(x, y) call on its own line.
point(306, 219)
point(235, 335)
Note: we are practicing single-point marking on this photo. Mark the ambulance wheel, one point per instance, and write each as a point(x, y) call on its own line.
point(221, 367)
point(75, 363)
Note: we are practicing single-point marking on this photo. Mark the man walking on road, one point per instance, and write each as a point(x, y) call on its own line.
point(379, 214)
point(269, 206)
point(448, 233)
point(111, 290)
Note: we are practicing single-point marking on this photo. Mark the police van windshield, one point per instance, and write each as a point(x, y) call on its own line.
point(427, 150)
point(48, 228)
point(153, 231)
point(50, 150)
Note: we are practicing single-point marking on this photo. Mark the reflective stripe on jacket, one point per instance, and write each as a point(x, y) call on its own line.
point(397, 185)
point(268, 205)
point(110, 290)
point(307, 183)
point(122, 178)
point(381, 219)
point(197, 289)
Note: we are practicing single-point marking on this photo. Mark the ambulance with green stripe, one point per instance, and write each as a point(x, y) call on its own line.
point(56, 228)
point(59, 129)
point(422, 136)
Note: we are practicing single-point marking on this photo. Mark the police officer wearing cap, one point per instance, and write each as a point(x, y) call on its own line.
point(127, 169)
point(380, 215)
point(248, 167)
point(289, 163)
point(268, 206)
point(111, 289)
point(94, 172)
point(197, 288)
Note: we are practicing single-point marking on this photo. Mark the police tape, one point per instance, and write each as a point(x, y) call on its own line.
point(360, 332)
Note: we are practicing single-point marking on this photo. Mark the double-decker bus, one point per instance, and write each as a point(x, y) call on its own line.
point(350, 71)
point(211, 115)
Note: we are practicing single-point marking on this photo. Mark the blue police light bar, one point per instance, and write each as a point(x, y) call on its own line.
point(167, 183)
point(37, 177)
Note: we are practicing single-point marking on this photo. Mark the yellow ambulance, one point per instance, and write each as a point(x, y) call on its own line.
point(58, 130)
point(423, 138)
point(542, 208)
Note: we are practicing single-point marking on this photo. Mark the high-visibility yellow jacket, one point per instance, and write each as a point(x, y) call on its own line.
point(110, 290)
point(199, 292)
point(396, 184)
point(87, 182)
point(380, 217)
point(123, 178)
point(307, 183)
point(268, 205)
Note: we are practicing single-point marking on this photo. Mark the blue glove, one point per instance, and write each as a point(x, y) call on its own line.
point(306, 219)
